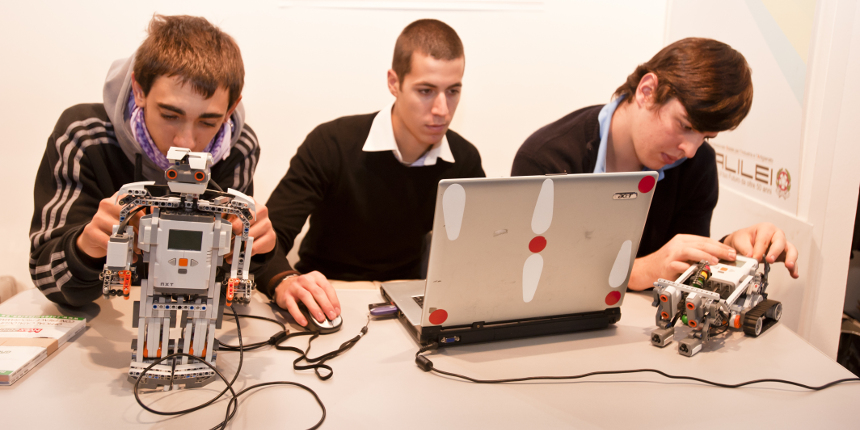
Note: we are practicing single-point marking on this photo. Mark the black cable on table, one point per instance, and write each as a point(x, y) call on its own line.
point(317, 363)
point(425, 364)
point(234, 400)
point(314, 363)
point(225, 347)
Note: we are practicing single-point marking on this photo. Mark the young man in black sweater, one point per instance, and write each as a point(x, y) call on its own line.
point(182, 88)
point(368, 182)
point(659, 120)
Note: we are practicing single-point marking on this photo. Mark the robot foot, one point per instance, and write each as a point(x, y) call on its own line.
point(689, 346)
point(170, 372)
point(662, 336)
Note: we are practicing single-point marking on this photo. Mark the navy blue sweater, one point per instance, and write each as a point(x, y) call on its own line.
point(683, 201)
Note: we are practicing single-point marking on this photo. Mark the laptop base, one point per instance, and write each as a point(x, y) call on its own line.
point(479, 332)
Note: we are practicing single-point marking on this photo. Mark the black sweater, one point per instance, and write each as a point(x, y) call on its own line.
point(683, 201)
point(368, 212)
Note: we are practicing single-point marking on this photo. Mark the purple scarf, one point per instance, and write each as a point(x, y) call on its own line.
point(217, 147)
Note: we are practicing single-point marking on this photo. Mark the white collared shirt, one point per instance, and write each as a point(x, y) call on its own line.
point(381, 138)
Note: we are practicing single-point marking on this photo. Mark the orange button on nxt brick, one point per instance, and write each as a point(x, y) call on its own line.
point(183, 262)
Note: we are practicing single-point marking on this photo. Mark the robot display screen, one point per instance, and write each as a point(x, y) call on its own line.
point(185, 240)
point(736, 263)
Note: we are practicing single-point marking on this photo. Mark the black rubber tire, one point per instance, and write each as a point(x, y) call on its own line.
point(755, 321)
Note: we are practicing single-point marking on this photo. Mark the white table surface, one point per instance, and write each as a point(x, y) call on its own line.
point(377, 384)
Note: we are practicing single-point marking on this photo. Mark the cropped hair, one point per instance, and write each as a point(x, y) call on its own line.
point(711, 80)
point(194, 50)
point(428, 36)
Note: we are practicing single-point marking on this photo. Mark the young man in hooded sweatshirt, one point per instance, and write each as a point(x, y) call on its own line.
point(181, 88)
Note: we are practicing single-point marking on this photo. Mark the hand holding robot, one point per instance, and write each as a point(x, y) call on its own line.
point(764, 241)
point(93, 240)
point(261, 230)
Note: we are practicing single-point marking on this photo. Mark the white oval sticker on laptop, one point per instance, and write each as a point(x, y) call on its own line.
point(453, 206)
point(542, 216)
point(622, 264)
point(531, 276)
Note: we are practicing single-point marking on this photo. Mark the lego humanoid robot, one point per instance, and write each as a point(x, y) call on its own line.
point(712, 298)
point(183, 240)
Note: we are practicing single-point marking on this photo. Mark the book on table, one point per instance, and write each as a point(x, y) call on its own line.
point(26, 340)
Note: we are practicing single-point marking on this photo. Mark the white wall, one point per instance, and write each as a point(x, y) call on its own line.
point(830, 178)
point(307, 65)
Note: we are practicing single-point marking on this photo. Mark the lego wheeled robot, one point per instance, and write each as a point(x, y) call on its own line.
point(711, 299)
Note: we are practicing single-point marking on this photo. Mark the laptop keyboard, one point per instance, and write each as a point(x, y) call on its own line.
point(419, 300)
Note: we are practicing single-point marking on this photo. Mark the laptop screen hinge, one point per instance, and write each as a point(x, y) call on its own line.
point(477, 325)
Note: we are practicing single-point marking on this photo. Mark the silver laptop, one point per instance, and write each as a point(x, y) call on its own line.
point(526, 256)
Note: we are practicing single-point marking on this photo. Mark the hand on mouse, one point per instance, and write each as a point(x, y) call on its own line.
point(312, 289)
point(330, 325)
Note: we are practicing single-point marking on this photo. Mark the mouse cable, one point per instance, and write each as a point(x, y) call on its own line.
point(252, 346)
point(317, 363)
point(233, 404)
point(426, 365)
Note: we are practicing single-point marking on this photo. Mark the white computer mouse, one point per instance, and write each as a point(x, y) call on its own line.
point(327, 326)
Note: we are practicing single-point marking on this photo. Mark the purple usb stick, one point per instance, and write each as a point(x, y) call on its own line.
point(380, 311)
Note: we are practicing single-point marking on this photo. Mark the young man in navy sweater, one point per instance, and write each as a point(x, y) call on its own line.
point(659, 119)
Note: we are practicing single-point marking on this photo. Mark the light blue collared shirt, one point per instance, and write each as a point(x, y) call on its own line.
point(605, 119)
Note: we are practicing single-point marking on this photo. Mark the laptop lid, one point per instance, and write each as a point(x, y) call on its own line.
point(524, 247)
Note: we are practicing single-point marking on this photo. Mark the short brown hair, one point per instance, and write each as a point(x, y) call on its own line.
point(429, 36)
point(711, 80)
point(192, 49)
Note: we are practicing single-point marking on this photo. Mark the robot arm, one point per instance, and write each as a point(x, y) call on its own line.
point(240, 285)
point(241, 197)
point(117, 271)
point(137, 189)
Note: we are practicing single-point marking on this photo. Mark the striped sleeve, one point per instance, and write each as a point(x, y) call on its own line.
point(66, 196)
point(237, 171)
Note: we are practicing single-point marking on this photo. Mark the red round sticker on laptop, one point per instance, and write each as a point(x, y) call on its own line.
point(438, 316)
point(646, 184)
point(613, 298)
point(537, 244)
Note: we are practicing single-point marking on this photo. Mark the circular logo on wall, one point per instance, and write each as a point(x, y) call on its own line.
point(783, 183)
